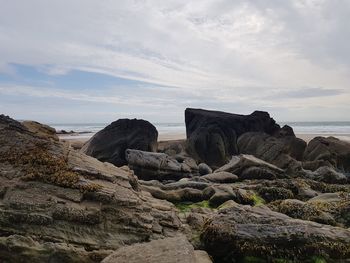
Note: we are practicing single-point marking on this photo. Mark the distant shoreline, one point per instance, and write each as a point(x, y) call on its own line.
point(168, 136)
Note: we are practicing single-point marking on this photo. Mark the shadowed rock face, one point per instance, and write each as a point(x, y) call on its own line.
point(330, 151)
point(59, 205)
point(241, 231)
point(212, 135)
point(284, 152)
point(109, 144)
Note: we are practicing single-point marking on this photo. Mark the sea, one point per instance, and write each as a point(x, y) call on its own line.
point(86, 130)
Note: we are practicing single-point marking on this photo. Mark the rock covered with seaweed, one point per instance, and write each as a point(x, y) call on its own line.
point(59, 205)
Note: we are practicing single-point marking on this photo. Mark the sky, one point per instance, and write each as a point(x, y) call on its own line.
point(76, 61)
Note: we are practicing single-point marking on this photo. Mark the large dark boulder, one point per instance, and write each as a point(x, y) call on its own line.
point(109, 144)
point(331, 151)
point(284, 152)
point(212, 135)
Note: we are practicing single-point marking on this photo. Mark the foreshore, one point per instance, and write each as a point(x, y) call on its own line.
point(78, 138)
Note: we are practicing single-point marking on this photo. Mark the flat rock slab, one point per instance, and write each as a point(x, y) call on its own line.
point(169, 250)
point(159, 166)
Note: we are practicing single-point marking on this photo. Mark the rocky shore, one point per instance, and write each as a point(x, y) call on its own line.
point(239, 188)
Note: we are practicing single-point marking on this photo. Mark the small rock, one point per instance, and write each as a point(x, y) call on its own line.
point(204, 169)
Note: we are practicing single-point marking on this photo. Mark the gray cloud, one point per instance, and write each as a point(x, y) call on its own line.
point(305, 93)
point(210, 52)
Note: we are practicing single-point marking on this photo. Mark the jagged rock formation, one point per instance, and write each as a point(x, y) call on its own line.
point(329, 151)
point(250, 167)
point(109, 144)
point(212, 135)
point(59, 205)
point(284, 152)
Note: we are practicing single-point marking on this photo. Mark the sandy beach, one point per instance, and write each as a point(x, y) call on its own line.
point(77, 139)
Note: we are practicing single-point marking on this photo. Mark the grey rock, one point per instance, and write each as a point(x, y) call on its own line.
point(221, 177)
point(204, 169)
point(284, 152)
point(159, 166)
point(329, 175)
point(109, 144)
point(170, 250)
point(250, 167)
point(241, 231)
point(59, 205)
point(212, 135)
point(329, 150)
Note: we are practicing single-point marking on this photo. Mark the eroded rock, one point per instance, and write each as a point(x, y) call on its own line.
point(58, 196)
point(240, 231)
point(109, 144)
point(160, 166)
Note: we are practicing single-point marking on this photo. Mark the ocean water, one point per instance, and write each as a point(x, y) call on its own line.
point(86, 130)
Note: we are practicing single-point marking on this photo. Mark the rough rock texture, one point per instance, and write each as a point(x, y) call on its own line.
point(160, 166)
point(59, 205)
point(329, 175)
point(330, 151)
point(283, 152)
point(109, 144)
point(172, 147)
point(250, 167)
point(221, 177)
point(168, 250)
point(302, 210)
point(204, 169)
point(241, 231)
point(41, 130)
point(212, 135)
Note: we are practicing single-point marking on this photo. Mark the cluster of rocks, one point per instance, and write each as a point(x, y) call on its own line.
point(240, 188)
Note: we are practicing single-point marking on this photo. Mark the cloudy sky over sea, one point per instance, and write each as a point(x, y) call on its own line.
point(96, 61)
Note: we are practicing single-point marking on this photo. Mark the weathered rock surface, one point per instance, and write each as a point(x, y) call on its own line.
point(250, 167)
point(204, 169)
point(109, 144)
point(221, 177)
point(212, 135)
point(59, 205)
point(160, 166)
point(329, 175)
point(330, 151)
point(284, 152)
point(240, 231)
point(172, 147)
point(169, 250)
point(41, 130)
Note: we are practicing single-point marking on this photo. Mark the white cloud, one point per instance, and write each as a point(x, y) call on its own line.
point(228, 50)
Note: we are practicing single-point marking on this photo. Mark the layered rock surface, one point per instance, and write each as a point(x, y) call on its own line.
point(241, 231)
point(212, 135)
point(329, 151)
point(169, 250)
point(160, 166)
point(59, 205)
